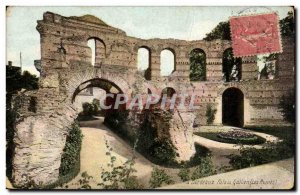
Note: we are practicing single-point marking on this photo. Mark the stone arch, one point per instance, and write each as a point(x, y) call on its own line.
point(99, 52)
point(197, 59)
point(89, 74)
point(168, 56)
point(104, 84)
point(140, 61)
point(170, 91)
point(233, 107)
point(233, 85)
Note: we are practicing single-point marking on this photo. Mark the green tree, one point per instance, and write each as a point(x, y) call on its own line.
point(221, 31)
point(29, 81)
point(197, 65)
point(287, 25)
point(228, 61)
point(287, 107)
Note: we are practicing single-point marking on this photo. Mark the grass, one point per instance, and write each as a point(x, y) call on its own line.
point(214, 136)
point(286, 132)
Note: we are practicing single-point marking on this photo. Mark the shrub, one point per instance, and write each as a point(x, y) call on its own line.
point(204, 169)
point(87, 109)
point(249, 157)
point(159, 177)
point(84, 181)
point(164, 152)
point(119, 177)
point(184, 174)
point(210, 114)
point(287, 107)
point(71, 153)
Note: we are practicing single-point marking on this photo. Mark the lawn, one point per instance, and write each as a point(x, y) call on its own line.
point(214, 136)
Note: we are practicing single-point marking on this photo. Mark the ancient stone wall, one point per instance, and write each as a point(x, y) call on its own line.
point(66, 68)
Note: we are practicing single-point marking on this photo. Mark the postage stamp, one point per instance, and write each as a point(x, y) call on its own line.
point(255, 34)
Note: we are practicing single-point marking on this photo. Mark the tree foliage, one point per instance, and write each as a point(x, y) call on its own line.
point(287, 107)
point(197, 65)
point(221, 31)
point(287, 25)
point(228, 61)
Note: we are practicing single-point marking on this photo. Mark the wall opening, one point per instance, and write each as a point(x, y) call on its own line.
point(232, 67)
point(144, 61)
point(197, 65)
point(98, 49)
point(233, 107)
point(169, 91)
point(267, 65)
point(167, 62)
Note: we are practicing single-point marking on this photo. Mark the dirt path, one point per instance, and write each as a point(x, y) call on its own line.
point(93, 154)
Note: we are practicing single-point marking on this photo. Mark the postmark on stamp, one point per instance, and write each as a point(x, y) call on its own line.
point(255, 34)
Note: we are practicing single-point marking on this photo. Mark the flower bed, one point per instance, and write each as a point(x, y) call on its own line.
point(233, 137)
point(237, 135)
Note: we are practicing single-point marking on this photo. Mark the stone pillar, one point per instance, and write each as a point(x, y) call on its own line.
point(177, 127)
point(155, 66)
point(249, 68)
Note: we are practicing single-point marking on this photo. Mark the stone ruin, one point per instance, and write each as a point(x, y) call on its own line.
point(66, 69)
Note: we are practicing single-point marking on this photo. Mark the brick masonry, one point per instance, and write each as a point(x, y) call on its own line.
point(66, 66)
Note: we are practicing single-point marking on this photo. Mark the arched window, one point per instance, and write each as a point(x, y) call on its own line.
point(197, 65)
point(98, 51)
point(169, 91)
point(92, 44)
point(167, 62)
point(144, 62)
point(232, 67)
point(143, 59)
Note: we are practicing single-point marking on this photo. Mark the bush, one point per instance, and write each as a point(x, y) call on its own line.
point(249, 157)
point(159, 177)
point(119, 177)
point(71, 153)
point(210, 114)
point(88, 109)
point(205, 168)
point(184, 174)
point(287, 107)
point(164, 152)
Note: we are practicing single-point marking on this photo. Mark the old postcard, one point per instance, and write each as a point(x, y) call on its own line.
point(144, 98)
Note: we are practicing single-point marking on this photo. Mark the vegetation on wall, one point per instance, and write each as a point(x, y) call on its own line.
point(70, 160)
point(210, 114)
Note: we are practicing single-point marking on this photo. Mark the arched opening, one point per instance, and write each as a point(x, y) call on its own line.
point(144, 61)
point(197, 65)
point(97, 51)
point(233, 107)
point(106, 85)
point(169, 91)
point(167, 62)
point(232, 67)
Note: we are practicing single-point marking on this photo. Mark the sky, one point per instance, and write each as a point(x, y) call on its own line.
point(188, 23)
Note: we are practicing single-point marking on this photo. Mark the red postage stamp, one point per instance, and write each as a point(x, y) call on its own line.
point(255, 34)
